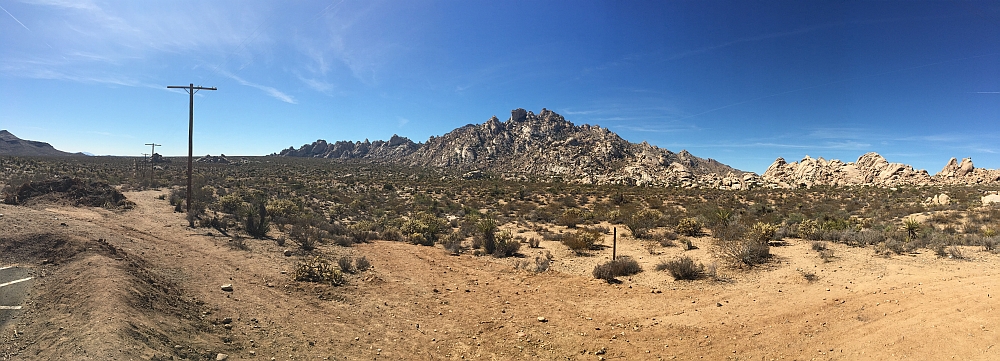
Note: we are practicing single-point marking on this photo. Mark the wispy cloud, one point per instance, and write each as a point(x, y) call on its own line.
point(277, 94)
point(749, 39)
point(15, 19)
point(402, 121)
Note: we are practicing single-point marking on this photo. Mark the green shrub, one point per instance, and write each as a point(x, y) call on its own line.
point(689, 227)
point(808, 229)
point(640, 223)
point(423, 228)
point(623, 266)
point(318, 270)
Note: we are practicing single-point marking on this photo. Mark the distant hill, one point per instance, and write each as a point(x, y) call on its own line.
point(542, 145)
point(12, 145)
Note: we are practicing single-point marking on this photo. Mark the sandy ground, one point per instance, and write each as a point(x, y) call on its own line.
point(140, 285)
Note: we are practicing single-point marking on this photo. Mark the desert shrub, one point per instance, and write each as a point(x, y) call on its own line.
point(487, 235)
point(362, 264)
point(364, 231)
point(308, 237)
point(751, 249)
point(423, 228)
point(989, 243)
point(346, 264)
point(453, 242)
point(761, 232)
point(641, 222)
point(955, 253)
point(539, 265)
point(534, 242)
point(664, 241)
point(989, 232)
point(728, 231)
point(506, 245)
point(689, 227)
point(570, 217)
point(808, 229)
point(818, 246)
point(229, 203)
point(682, 268)
point(581, 240)
point(318, 270)
point(256, 221)
point(623, 266)
point(282, 210)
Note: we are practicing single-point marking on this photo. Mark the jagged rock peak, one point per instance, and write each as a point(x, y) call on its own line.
point(543, 145)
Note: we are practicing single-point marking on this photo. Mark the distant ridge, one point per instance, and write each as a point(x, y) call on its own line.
point(542, 145)
point(11, 145)
point(871, 169)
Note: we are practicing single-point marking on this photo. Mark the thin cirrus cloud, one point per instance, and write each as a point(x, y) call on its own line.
point(277, 94)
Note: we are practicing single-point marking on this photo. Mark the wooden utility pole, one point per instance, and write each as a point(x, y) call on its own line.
point(190, 89)
point(614, 245)
point(153, 151)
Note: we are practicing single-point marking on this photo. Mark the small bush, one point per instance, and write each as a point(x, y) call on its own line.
point(570, 218)
point(682, 268)
point(256, 221)
point(818, 246)
point(623, 266)
point(750, 250)
point(453, 242)
point(689, 227)
point(808, 229)
point(534, 242)
point(506, 245)
point(581, 241)
point(318, 270)
point(362, 264)
point(346, 264)
point(640, 223)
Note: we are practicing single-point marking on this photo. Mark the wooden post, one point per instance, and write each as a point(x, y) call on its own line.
point(614, 245)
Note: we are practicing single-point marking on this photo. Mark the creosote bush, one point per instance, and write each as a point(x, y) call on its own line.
point(641, 222)
point(623, 266)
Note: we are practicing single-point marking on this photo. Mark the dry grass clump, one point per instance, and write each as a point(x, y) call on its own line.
point(682, 268)
point(318, 270)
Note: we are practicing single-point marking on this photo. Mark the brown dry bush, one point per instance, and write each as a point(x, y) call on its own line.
point(682, 268)
point(623, 266)
point(581, 241)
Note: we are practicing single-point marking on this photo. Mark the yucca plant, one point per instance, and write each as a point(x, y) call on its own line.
point(911, 226)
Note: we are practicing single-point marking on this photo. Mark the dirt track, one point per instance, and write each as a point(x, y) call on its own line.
point(141, 285)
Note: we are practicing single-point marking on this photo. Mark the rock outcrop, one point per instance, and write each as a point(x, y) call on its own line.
point(14, 146)
point(543, 145)
point(966, 173)
point(871, 169)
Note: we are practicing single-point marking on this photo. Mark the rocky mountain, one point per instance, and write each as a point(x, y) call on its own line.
point(870, 169)
point(545, 145)
point(11, 145)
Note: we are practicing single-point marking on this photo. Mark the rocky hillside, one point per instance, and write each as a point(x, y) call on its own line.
point(11, 145)
point(870, 169)
point(542, 145)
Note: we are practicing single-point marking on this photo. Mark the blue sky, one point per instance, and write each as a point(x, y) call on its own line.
point(742, 82)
